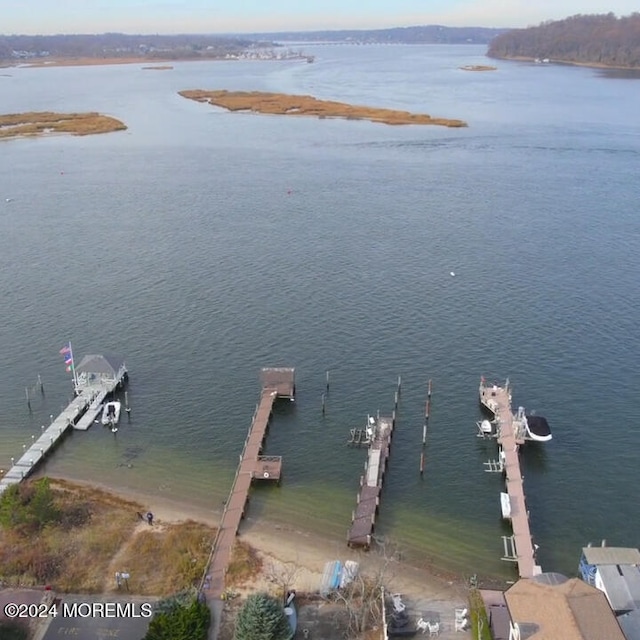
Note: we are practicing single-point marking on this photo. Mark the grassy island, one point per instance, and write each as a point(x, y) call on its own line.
point(293, 105)
point(478, 67)
point(34, 123)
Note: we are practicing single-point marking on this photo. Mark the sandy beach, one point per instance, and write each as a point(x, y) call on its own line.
point(278, 544)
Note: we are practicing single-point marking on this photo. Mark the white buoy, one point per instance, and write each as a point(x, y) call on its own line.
point(453, 273)
point(8, 199)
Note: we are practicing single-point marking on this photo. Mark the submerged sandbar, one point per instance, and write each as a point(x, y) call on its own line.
point(294, 105)
point(39, 123)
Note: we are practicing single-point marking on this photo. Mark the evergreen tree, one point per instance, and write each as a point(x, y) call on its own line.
point(262, 618)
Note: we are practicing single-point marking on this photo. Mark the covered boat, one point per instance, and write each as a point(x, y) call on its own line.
point(537, 429)
point(111, 412)
point(290, 611)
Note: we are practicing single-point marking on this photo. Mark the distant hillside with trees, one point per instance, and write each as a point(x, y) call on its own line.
point(427, 34)
point(599, 40)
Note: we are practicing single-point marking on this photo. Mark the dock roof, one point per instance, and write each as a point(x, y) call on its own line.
point(572, 610)
point(104, 365)
point(611, 555)
point(621, 584)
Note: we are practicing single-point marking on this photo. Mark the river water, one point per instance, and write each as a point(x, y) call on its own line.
point(203, 245)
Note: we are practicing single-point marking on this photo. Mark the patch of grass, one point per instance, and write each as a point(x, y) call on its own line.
point(163, 560)
point(293, 105)
point(36, 123)
point(245, 564)
point(72, 552)
point(480, 628)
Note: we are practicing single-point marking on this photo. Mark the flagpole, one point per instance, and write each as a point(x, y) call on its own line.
point(73, 369)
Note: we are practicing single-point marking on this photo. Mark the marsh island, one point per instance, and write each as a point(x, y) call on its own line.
point(293, 105)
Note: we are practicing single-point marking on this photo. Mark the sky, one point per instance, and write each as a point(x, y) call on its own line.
point(245, 16)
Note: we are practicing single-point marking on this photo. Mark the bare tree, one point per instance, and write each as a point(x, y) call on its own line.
point(362, 598)
point(283, 575)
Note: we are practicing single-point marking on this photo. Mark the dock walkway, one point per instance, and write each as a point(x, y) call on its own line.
point(95, 384)
point(497, 399)
point(364, 517)
point(276, 383)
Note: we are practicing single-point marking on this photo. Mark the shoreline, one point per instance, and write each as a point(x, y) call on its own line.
point(279, 543)
point(589, 65)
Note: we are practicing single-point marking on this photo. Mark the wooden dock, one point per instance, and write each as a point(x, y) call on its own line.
point(97, 378)
point(497, 400)
point(363, 519)
point(276, 383)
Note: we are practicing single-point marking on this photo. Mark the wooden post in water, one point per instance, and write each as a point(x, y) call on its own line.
point(422, 463)
point(399, 384)
point(26, 390)
point(396, 400)
point(324, 397)
point(40, 384)
point(127, 408)
point(424, 434)
point(327, 386)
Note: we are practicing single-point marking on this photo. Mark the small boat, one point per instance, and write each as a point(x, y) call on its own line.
point(111, 412)
point(485, 429)
point(537, 429)
point(290, 611)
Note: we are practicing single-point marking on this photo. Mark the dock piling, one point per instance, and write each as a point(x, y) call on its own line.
point(422, 463)
point(26, 390)
point(127, 408)
point(324, 397)
point(40, 384)
point(327, 381)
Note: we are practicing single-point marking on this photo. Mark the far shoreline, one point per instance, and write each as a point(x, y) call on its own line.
point(589, 65)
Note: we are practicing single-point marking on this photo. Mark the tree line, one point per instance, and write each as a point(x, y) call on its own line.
point(601, 39)
point(114, 45)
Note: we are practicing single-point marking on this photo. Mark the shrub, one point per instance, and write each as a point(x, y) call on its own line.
point(176, 619)
point(262, 618)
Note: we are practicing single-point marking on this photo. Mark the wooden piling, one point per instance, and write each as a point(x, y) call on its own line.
point(324, 397)
point(399, 384)
point(40, 384)
point(424, 434)
point(127, 408)
point(429, 389)
point(26, 390)
point(422, 463)
point(327, 387)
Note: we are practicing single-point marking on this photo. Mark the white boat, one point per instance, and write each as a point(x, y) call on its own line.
point(505, 504)
point(111, 412)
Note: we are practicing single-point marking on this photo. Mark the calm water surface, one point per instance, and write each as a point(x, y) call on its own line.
point(203, 245)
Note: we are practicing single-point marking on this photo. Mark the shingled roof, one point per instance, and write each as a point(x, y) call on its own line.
point(572, 610)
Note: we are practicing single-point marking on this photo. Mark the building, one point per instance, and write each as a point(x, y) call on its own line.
point(616, 572)
point(552, 607)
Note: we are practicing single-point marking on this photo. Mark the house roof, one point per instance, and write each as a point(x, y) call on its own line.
point(630, 623)
point(108, 365)
point(572, 610)
point(611, 555)
point(622, 585)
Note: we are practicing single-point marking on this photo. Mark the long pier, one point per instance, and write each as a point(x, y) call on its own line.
point(97, 377)
point(378, 433)
point(276, 383)
point(497, 399)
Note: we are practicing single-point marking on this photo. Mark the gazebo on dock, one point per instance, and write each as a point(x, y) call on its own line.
point(98, 370)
